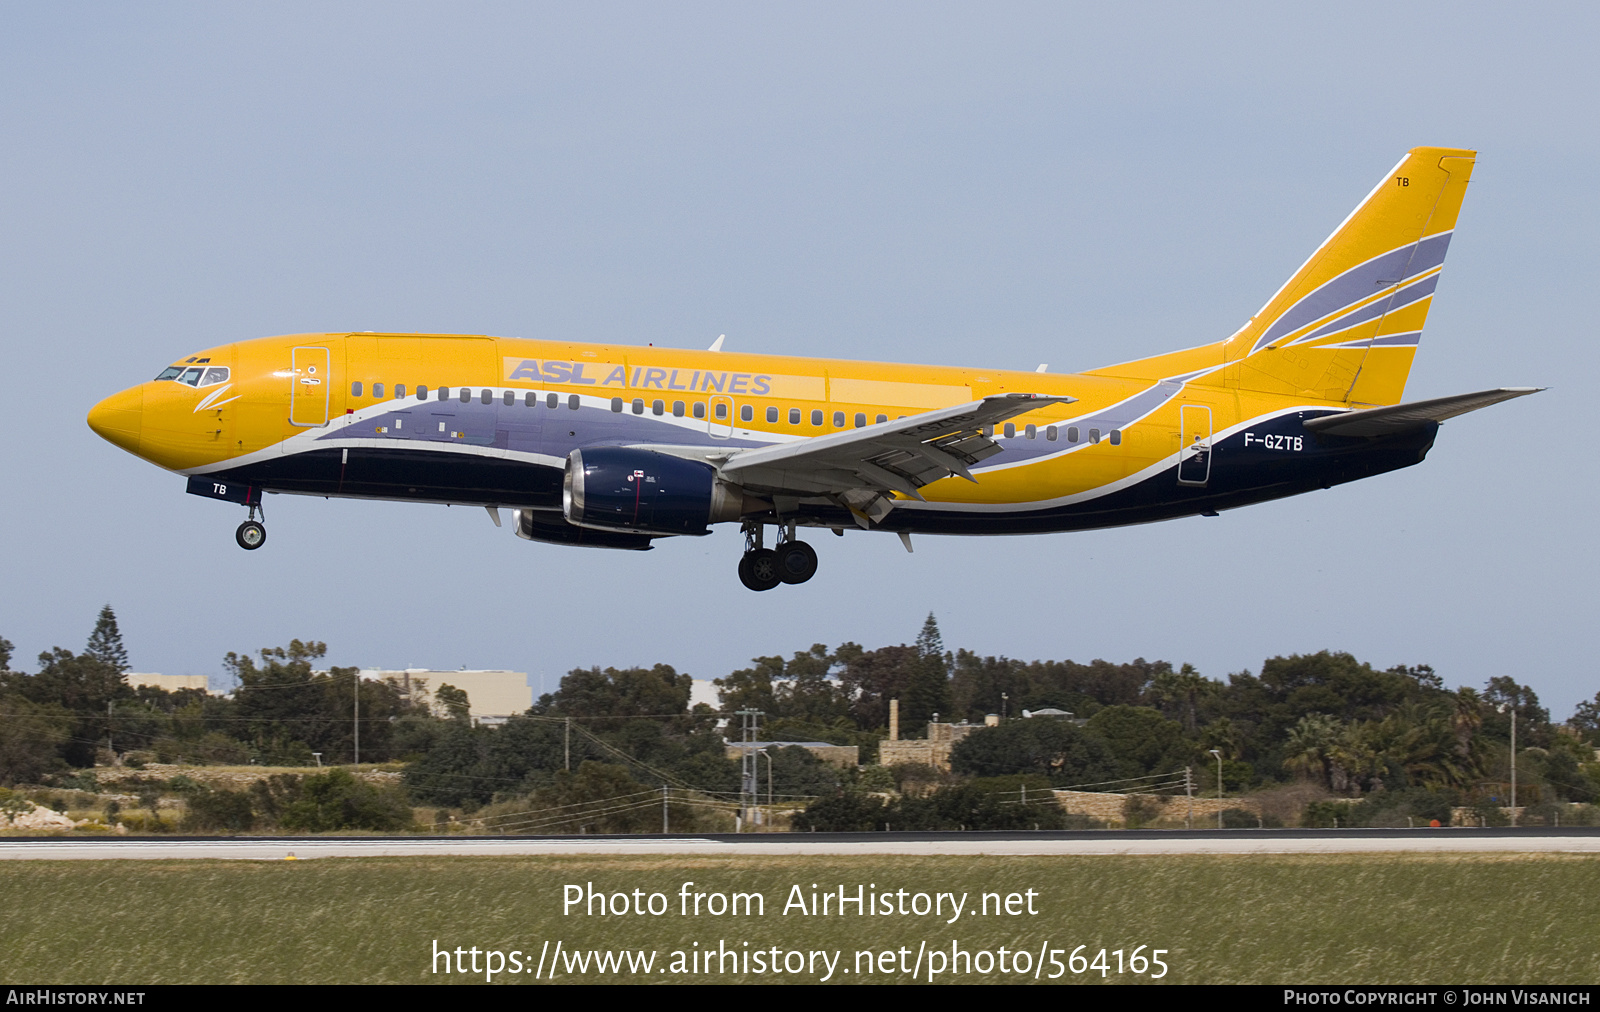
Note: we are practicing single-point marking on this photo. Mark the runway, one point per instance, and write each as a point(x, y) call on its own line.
point(1094, 842)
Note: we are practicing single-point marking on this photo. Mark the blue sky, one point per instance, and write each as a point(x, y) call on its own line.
point(953, 184)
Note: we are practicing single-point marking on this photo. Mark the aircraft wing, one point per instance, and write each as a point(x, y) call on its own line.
point(857, 468)
point(1400, 417)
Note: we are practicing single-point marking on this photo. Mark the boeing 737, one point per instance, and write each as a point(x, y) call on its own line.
point(613, 446)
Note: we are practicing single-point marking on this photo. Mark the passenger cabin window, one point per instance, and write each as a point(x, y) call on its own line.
point(882, 419)
point(746, 413)
point(1094, 435)
point(530, 399)
point(1030, 431)
point(573, 402)
point(510, 398)
point(772, 415)
point(677, 409)
point(355, 389)
point(466, 394)
point(722, 411)
point(1116, 437)
point(443, 393)
point(658, 408)
point(399, 390)
point(485, 396)
point(699, 409)
point(377, 389)
point(638, 405)
point(616, 403)
point(816, 416)
point(1072, 433)
point(838, 419)
point(552, 401)
point(861, 420)
point(1050, 433)
point(422, 393)
point(794, 416)
point(1011, 430)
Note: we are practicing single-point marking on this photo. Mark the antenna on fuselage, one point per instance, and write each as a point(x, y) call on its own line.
point(1043, 367)
point(717, 344)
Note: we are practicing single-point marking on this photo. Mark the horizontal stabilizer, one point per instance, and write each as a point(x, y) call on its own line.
point(1400, 417)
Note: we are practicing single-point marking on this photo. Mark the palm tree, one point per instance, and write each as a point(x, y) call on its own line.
point(1311, 746)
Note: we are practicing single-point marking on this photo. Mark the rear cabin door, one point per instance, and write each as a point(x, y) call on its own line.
point(1194, 448)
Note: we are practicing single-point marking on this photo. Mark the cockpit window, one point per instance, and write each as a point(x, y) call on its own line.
point(195, 375)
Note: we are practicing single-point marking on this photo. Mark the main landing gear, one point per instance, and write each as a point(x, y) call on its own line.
point(252, 534)
point(764, 568)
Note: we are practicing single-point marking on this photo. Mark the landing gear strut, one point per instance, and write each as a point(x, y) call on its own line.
point(763, 568)
point(252, 534)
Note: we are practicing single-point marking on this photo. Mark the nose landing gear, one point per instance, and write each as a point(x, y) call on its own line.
point(763, 568)
point(252, 534)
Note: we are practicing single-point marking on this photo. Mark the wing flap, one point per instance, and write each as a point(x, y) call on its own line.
point(900, 456)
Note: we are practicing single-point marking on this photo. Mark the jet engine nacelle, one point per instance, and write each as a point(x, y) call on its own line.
point(551, 528)
point(613, 488)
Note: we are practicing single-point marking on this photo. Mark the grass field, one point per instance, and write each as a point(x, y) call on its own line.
point(1304, 920)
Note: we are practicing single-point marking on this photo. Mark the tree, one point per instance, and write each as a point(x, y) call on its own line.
point(454, 702)
point(79, 685)
point(1141, 739)
point(105, 643)
point(1585, 720)
point(1069, 755)
point(1185, 688)
point(928, 693)
point(751, 688)
point(32, 738)
point(336, 800)
point(5, 654)
point(1311, 746)
point(622, 692)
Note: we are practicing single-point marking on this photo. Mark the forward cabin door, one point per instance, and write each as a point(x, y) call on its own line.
point(1194, 446)
point(312, 376)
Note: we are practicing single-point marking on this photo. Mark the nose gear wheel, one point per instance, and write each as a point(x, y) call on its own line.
point(250, 535)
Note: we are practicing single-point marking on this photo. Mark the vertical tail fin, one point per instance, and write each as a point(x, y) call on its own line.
point(1345, 327)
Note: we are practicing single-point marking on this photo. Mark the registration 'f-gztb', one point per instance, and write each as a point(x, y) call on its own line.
point(613, 446)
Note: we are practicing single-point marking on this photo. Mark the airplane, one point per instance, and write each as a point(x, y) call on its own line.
point(615, 446)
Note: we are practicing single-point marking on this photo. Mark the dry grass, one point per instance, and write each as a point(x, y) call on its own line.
point(1280, 919)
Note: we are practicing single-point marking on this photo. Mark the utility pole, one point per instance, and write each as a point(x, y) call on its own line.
point(749, 723)
point(358, 717)
point(1188, 790)
point(567, 745)
point(1218, 754)
point(1512, 707)
point(664, 829)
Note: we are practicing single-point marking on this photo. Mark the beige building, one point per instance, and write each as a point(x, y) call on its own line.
point(172, 683)
point(934, 750)
point(492, 696)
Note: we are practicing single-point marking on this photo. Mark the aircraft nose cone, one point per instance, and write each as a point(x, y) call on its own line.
point(119, 418)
